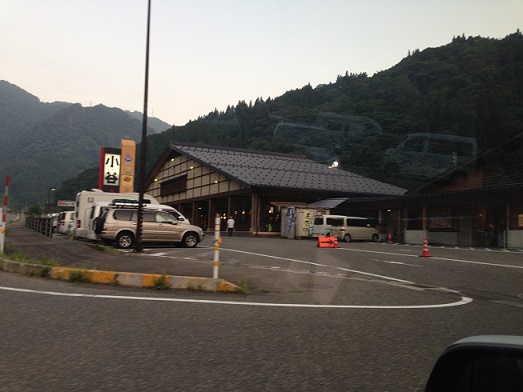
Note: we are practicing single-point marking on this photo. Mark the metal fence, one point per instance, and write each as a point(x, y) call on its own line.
point(41, 225)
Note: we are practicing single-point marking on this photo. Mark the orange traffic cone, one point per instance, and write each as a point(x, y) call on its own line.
point(389, 239)
point(425, 252)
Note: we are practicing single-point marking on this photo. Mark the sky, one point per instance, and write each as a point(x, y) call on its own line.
point(208, 54)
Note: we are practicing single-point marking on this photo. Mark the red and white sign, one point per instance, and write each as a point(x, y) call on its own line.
point(65, 203)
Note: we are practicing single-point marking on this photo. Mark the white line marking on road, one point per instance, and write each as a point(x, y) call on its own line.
point(375, 275)
point(462, 301)
point(275, 257)
point(388, 278)
point(376, 251)
point(436, 258)
point(479, 262)
point(390, 262)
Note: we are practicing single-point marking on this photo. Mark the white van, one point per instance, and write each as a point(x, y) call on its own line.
point(99, 207)
point(86, 199)
point(346, 228)
point(64, 219)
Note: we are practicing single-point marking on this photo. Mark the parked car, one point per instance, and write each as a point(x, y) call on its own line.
point(118, 224)
point(98, 209)
point(480, 363)
point(85, 200)
point(64, 220)
point(346, 228)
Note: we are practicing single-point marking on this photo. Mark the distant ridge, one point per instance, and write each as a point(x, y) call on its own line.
point(42, 144)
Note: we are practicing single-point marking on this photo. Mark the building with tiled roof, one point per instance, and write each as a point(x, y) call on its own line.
point(476, 203)
point(202, 181)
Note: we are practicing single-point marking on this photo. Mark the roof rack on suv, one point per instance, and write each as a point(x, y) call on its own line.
point(125, 203)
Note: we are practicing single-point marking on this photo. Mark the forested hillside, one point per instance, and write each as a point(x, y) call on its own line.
point(20, 110)
point(43, 144)
point(470, 87)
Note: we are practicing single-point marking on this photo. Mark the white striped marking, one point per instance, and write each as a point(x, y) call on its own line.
point(462, 301)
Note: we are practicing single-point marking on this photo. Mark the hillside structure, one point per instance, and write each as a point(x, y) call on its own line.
point(252, 186)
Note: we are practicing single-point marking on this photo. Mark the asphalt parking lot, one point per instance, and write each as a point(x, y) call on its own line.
point(155, 259)
point(296, 270)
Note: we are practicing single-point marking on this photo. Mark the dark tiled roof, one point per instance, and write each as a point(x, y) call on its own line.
point(263, 169)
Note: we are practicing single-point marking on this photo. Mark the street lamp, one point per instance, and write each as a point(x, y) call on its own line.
point(334, 164)
point(49, 199)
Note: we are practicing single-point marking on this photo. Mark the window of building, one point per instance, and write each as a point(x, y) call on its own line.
point(176, 185)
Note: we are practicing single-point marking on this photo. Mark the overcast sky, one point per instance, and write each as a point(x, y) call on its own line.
point(207, 54)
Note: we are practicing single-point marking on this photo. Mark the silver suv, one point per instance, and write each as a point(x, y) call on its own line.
point(119, 225)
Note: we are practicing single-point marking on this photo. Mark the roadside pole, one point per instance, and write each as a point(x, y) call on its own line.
point(139, 222)
point(217, 242)
point(3, 212)
point(2, 232)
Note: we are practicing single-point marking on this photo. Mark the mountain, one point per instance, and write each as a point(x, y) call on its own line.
point(43, 144)
point(152, 122)
point(471, 87)
point(20, 110)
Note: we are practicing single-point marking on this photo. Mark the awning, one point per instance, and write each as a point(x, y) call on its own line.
point(328, 203)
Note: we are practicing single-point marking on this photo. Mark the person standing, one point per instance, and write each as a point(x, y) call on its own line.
point(491, 236)
point(230, 225)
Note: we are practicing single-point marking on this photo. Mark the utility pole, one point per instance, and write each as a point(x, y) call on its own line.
point(139, 222)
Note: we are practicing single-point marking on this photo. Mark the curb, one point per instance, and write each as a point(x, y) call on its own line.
point(120, 278)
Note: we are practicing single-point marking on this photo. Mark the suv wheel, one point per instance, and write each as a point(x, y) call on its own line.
point(124, 240)
point(190, 240)
point(347, 238)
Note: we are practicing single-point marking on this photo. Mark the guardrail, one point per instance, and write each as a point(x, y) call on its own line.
point(41, 225)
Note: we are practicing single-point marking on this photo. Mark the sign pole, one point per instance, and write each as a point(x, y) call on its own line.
point(217, 242)
point(3, 211)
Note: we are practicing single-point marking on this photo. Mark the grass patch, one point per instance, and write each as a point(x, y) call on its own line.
point(18, 257)
point(45, 272)
point(244, 285)
point(43, 260)
point(160, 283)
point(38, 271)
point(46, 261)
point(105, 249)
point(77, 276)
point(99, 247)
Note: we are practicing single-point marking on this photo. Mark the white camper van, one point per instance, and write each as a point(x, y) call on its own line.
point(86, 199)
point(346, 228)
point(99, 207)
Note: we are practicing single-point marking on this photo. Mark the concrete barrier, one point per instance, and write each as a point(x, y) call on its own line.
point(120, 278)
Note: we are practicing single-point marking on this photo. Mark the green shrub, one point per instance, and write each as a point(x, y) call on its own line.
point(77, 276)
point(161, 283)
